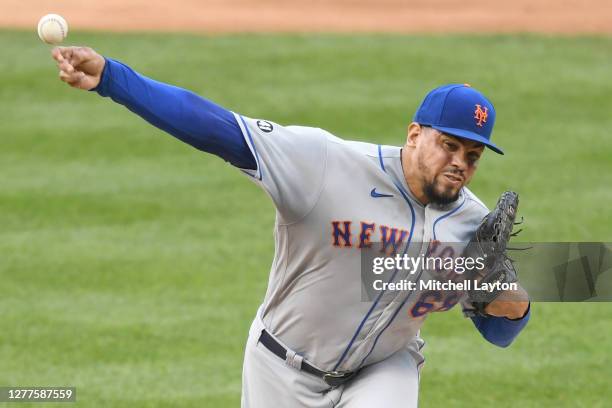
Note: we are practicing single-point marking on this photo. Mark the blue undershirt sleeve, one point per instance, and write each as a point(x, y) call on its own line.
point(500, 330)
point(181, 113)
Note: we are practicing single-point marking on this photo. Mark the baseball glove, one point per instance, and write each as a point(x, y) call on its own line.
point(490, 242)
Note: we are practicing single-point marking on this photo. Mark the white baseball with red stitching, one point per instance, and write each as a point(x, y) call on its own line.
point(52, 29)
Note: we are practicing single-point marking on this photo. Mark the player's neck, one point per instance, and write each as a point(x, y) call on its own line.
point(414, 184)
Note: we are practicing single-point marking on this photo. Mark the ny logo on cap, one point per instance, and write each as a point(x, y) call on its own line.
point(481, 115)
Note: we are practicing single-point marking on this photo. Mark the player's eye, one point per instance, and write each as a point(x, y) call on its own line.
point(473, 158)
point(450, 146)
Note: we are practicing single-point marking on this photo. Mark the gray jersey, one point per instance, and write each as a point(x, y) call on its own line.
point(333, 198)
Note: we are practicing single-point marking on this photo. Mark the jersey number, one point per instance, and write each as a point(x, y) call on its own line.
point(428, 302)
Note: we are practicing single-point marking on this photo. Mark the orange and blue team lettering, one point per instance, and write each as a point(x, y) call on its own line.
point(391, 238)
point(388, 236)
point(481, 115)
point(341, 230)
point(366, 230)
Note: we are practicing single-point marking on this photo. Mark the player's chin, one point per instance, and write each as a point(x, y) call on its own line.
point(442, 194)
point(448, 196)
point(449, 187)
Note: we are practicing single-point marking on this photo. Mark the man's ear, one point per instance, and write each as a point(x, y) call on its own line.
point(414, 131)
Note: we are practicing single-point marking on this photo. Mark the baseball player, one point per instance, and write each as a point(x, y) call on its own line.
point(314, 342)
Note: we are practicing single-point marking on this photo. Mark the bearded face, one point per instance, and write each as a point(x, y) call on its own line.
point(445, 164)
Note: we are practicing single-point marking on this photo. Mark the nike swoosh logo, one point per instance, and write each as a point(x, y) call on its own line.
point(374, 194)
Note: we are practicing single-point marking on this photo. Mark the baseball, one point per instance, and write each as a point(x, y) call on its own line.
point(52, 29)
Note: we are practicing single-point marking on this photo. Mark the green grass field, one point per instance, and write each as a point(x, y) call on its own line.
point(131, 264)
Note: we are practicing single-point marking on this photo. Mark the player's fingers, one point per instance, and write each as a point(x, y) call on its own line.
point(65, 66)
point(80, 55)
point(64, 76)
point(61, 54)
point(56, 53)
point(71, 78)
point(67, 52)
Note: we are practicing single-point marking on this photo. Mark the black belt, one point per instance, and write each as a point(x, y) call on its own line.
point(332, 378)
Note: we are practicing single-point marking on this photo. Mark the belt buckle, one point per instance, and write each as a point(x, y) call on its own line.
point(337, 378)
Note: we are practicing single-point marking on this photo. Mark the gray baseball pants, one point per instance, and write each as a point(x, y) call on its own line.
point(267, 381)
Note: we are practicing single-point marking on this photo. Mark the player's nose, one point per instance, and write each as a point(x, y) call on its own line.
point(459, 163)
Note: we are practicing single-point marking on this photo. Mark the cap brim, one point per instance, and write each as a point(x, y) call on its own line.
point(465, 134)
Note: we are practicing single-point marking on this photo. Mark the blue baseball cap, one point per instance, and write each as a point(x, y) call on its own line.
point(461, 111)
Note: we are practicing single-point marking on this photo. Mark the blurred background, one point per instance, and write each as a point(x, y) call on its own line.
point(131, 264)
point(402, 16)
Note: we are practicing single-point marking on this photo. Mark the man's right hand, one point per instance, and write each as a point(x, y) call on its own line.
point(79, 67)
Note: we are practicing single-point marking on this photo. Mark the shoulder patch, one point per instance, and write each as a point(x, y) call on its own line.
point(265, 126)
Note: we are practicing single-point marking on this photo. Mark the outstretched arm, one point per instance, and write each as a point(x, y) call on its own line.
point(183, 114)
